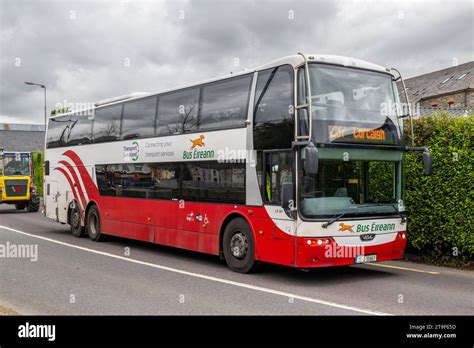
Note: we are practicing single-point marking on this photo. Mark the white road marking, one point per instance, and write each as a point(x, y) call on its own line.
point(402, 268)
point(202, 276)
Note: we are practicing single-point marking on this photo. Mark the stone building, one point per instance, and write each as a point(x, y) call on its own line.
point(21, 137)
point(450, 88)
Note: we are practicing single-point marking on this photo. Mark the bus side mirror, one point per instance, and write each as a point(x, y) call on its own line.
point(427, 162)
point(311, 163)
point(286, 195)
point(38, 156)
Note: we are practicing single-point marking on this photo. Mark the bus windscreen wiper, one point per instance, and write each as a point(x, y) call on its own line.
point(333, 220)
point(393, 205)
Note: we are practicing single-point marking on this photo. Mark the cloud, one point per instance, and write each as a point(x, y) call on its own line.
point(87, 51)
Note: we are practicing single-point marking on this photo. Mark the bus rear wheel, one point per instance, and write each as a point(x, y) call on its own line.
point(93, 224)
point(238, 247)
point(75, 222)
point(20, 206)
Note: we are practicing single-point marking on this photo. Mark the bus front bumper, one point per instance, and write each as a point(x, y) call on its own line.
point(325, 252)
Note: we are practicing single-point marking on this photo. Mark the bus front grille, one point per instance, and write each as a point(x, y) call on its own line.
point(16, 188)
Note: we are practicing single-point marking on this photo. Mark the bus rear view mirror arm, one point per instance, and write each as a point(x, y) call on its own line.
point(287, 197)
point(311, 163)
point(427, 160)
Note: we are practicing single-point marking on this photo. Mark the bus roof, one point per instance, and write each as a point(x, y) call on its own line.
point(297, 60)
point(294, 60)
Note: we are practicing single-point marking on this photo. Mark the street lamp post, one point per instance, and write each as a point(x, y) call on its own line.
point(45, 114)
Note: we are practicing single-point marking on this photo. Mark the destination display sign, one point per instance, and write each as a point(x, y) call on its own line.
point(357, 133)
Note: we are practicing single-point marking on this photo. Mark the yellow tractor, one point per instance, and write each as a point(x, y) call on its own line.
point(16, 180)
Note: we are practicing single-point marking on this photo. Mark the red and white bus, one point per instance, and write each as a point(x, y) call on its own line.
point(297, 163)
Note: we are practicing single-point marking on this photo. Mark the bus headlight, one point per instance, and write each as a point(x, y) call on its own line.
point(402, 235)
point(318, 242)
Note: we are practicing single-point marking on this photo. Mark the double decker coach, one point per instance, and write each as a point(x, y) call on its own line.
point(297, 163)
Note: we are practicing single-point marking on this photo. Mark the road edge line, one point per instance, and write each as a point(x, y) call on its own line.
point(203, 276)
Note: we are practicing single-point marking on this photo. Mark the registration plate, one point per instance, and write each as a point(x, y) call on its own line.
point(365, 258)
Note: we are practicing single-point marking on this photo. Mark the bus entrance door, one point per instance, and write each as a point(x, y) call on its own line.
point(51, 200)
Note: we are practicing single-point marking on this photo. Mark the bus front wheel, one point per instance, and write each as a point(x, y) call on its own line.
point(238, 246)
point(93, 224)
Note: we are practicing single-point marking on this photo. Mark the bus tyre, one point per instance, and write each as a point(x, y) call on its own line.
point(20, 206)
point(75, 222)
point(238, 246)
point(93, 224)
point(33, 205)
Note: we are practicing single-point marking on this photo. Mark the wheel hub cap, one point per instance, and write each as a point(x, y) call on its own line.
point(75, 218)
point(239, 245)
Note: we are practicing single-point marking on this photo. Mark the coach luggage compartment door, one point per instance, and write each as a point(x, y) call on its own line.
point(51, 200)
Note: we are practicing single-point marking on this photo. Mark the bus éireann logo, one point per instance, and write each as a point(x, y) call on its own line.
point(198, 150)
point(197, 142)
point(343, 227)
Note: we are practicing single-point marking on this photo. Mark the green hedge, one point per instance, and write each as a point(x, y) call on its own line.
point(441, 206)
point(38, 171)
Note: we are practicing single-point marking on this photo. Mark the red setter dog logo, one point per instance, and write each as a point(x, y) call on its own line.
point(198, 142)
point(344, 227)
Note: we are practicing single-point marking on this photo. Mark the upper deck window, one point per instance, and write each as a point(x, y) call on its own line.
point(80, 129)
point(107, 123)
point(73, 129)
point(56, 131)
point(177, 112)
point(353, 105)
point(224, 103)
point(351, 94)
point(273, 111)
point(138, 119)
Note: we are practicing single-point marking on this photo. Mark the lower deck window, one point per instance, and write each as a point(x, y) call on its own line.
point(203, 181)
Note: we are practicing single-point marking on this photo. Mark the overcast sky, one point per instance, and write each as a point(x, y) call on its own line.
point(85, 51)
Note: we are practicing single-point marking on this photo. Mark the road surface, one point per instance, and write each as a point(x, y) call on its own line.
point(120, 276)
